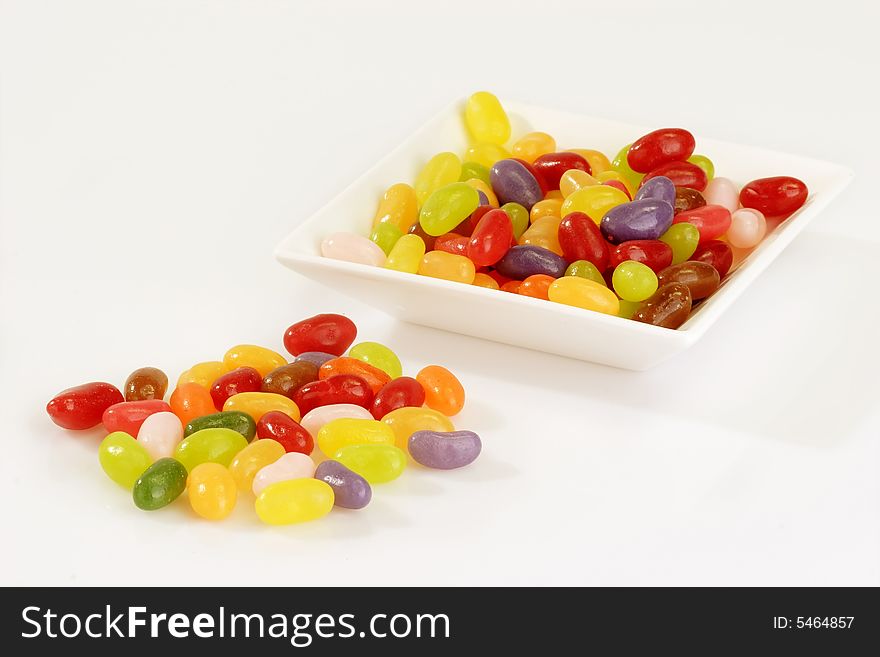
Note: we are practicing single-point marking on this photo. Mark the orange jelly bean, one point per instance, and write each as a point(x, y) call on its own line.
point(443, 392)
point(536, 286)
point(190, 401)
point(373, 376)
point(511, 286)
point(549, 207)
point(598, 161)
point(484, 280)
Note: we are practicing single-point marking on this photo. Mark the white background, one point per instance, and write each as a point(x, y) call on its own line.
point(153, 153)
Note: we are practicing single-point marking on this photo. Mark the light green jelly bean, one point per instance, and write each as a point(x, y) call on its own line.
point(634, 281)
point(585, 269)
point(628, 308)
point(620, 164)
point(704, 163)
point(448, 207)
point(683, 238)
point(519, 217)
point(386, 234)
point(218, 445)
point(123, 458)
point(378, 355)
point(475, 170)
point(375, 463)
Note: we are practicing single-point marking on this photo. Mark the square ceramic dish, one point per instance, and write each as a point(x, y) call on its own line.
point(523, 321)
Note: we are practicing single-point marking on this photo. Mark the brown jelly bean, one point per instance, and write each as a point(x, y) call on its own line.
point(701, 278)
point(668, 307)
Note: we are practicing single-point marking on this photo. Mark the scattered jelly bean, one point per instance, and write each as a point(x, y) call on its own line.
point(444, 451)
point(716, 253)
point(634, 281)
point(351, 491)
point(253, 458)
point(521, 262)
point(682, 174)
point(340, 389)
point(406, 421)
point(584, 293)
point(535, 286)
point(294, 501)
point(594, 201)
point(212, 491)
point(241, 379)
point(532, 145)
point(129, 416)
point(327, 333)
point(688, 199)
point(585, 269)
point(543, 233)
point(486, 119)
point(683, 239)
point(293, 465)
point(599, 162)
point(457, 268)
point(340, 433)
point(658, 189)
point(511, 286)
point(664, 146)
point(159, 485)
point(123, 458)
point(700, 278)
point(82, 407)
point(316, 357)
point(373, 376)
point(402, 392)
point(399, 206)
point(774, 197)
point(160, 434)
point(646, 219)
point(209, 446)
point(654, 253)
point(285, 380)
point(443, 391)
point(575, 179)
point(712, 221)
point(250, 355)
point(352, 247)
point(203, 373)
point(145, 383)
point(549, 207)
point(705, 164)
point(721, 191)
point(385, 236)
point(552, 166)
point(286, 431)
point(471, 170)
point(440, 170)
point(257, 404)
point(620, 165)
point(669, 307)
point(452, 243)
point(235, 420)
point(318, 417)
point(379, 356)
point(484, 280)
point(191, 400)
point(581, 239)
point(747, 228)
point(514, 183)
point(378, 464)
point(406, 254)
point(486, 154)
point(448, 207)
point(519, 218)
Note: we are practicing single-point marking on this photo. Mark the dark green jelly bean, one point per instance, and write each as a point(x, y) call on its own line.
point(160, 485)
point(235, 420)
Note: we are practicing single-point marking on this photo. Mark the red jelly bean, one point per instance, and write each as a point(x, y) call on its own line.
point(467, 226)
point(243, 379)
point(501, 279)
point(281, 428)
point(716, 253)
point(129, 416)
point(682, 174)
point(402, 391)
point(452, 243)
point(374, 377)
point(550, 167)
point(660, 147)
point(491, 238)
point(774, 197)
point(711, 220)
point(82, 407)
point(339, 389)
point(581, 239)
point(330, 333)
point(416, 229)
point(655, 254)
point(619, 185)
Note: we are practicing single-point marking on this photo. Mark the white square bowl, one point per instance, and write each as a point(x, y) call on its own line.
point(524, 321)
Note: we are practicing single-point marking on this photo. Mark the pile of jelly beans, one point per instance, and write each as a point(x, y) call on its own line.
point(646, 236)
point(249, 424)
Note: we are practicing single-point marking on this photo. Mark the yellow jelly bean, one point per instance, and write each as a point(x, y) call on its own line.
point(583, 293)
point(484, 280)
point(375, 463)
point(486, 154)
point(575, 179)
point(203, 373)
point(533, 145)
point(594, 201)
point(486, 119)
point(448, 266)
point(250, 355)
point(549, 207)
point(544, 233)
point(598, 161)
point(257, 404)
point(253, 458)
point(479, 185)
point(554, 193)
point(342, 432)
point(212, 491)
point(399, 206)
point(405, 421)
point(620, 164)
point(294, 500)
point(406, 254)
point(441, 170)
point(611, 174)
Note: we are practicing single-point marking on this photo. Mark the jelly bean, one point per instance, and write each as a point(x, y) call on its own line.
point(511, 286)
point(687, 199)
point(581, 239)
point(402, 392)
point(129, 416)
point(554, 194)
point(452, 243)
point(585, 269)
point(543, 233)
point(378, 464)
point(385, 236)
point(712, 221)
point(669, 307)
point(253, 458)
point(340, 433)
point(620, 165)
point(594, 201)
point(552, 166)
point(682, 174)
point(340, 389)
point(351, 491)
point(159, 434)
point(497, 276)
point(447, 266)
point(257, 404)
point(123, 458)
point(286, 431)
point(532, 145)
point(747, 228)
point(519, 218)
point(379, 356)
point(598, 162)
point(466, 227)
point(535, 286)
point(522, 261)
point(441, 170)
point(82, 407)
point(159, 485)
point(443, 391)
point(486, 154)
point(575, 179)
point(634, 281)
point(294, 501)
point(471, 170)
point(286, 379)
point(655, 254)
point(584, 293)
point(399, 207)
point(616, 184)
point(209, 446)
point(293, 465)
point(700, 278)
point(444, 451)
point(659, 189)
point(721, 191)
point(212, 491)
point(491, 238)
point(328, 333)
point(705, 164)
point(484, 280)
point(406, 254)
point(235, 420)
point(373, 376)
point(318, 417)
point(549, 207)
point(318, 358)
point(660, 147)
point(191, 400)
point(418, 231)
point(249, 355)
point(486, 119)
point(646, 219)
point(514, 183)
point(447, 207)
point(774, 197)
point(716, 253)
point(241, 379)
point(485, 189)
point(352, 247)
point(145, 383)
point(404, 422)
point(628, 308)
point(203, 374)
point(683, 239)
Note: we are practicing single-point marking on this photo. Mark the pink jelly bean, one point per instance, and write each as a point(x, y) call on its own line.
point(722, 191)
point(318, 417)
point(353, 248)
point(747, 228)
point(160, 433)
point(293, 465)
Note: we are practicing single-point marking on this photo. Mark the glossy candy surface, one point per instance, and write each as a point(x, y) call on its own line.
point(385, 236)
point(316, 357)
point(716, 253)
point(575, 179)
point(443, 391)
point(646, 219)
point(774, 197)
point(522, 261)
point(250, 355)
point(351, 491)
point(209, 446)
point(253, 458)
point(191, 400)
point(286, 379)
point(712, 221)
point(599, 162)
point(447, 207)
point(293, 465)
point(257, 404)
point(340, 389)
point(439, 264)
point(286, 431)
point(683, 239)
point(406, 421)
point(123, 458)
point(212, 491)
point(294, 501)
point(327, 333)
point(682, 174)
point(581, 239)
point(241, 379)
point(655, 254)
point(634, 281)
point(486, 154)
point(519, 217)
point(145, 383)
point(235, 420)
point(444, 451)
point(532, 145)
point(659, 188)
point(584, 293)
point(486, 119)
point(660, 147)
point(687, 199)
point(543, 233)
point(585, 269)
point(700, 278)
point(401, 392)
point(352, 247)
point(620, 165)
point(159, 485)
point(203, 373)
point(747, 228)
point(373, 376)
point(535, 286)
point(159, 434)
point(486, 190)
point(484, 280)
point(514, 183)
point(407, 254)
point(378, 356)
point(594, 201)
point(668, 307)
point(551, 166)
point(129, 416)
point(377, 464)
point(441, 170)
point(340, 433)
point(705, 164)
point(471, 170)
point(721, 191)
point(82, 407)
point(490, 239)
point(452, 243)
point(399, 206)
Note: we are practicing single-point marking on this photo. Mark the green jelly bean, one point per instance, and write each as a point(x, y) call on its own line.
point(475, 170)
point(160, 485)
point(123, 458)
point(683, 238)
point(585, 269)
point(375, 463)
point(704, 163)
point(519, 217)
point(620, 164)
point(634, 281)
point(235, 420)
point(448, 207)
point(210, 446)
point(386, 234)
point(628, 308)
point(378, 355)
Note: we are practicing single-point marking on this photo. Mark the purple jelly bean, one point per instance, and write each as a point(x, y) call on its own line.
point(646, 219)
point(659, 188)
point(351, 490)
point(316, 357)
point(484, 200)
point(522, 261)
point(513, 183)
point(444, 450)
